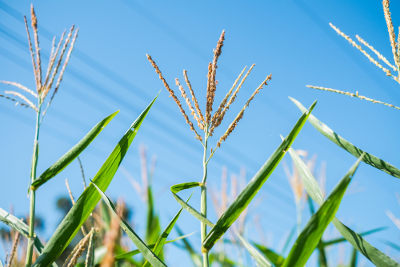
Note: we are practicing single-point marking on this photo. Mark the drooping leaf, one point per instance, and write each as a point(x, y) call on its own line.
point(311, 186)
point(74, 152)
point(349, 147)
point(19, 226)
point(88, 200)
point(311, 235)
point(129, 254)
point(341, 239)
point(179, 187)
point(271, 255)
point(248, 193)
point(222, 259)
point(144, 249)
point(255, 254)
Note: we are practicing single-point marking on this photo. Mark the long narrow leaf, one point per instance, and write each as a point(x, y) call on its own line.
point(370, 252)
point(271, 255)
point(163, 237)
point(74, 152)
point(354, 256)
point(132, 253)
point(179, 187)
point(349, 147)
point(257, 256)
point(88, 200)
point(248, 193)
point(341, 239)
point(144, 249)
point(19, 226)
point(311, 235)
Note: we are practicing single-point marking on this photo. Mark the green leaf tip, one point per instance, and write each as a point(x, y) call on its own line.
point(73, 153)
point(88, 200)
point(248, 193)
point(346, 145)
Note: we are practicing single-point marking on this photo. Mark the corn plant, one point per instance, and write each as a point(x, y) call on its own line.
point(106, 221)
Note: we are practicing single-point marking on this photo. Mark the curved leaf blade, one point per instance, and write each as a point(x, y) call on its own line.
point(146, 251)
point(370, 252)
point(179, 187)
point(342, 239)
point(163, 237)
point(248, 193)
point(19, 226)
point(257, 256)
point(311, 235)
point(273, 256)
point(129, 254)
point(88, 200)
point(74, 152)
point(349, 147)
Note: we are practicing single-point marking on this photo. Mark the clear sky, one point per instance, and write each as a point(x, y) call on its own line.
point(109, 71)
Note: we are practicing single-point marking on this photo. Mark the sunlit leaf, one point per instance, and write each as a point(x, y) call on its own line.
point(144, 249)
point(244, 198)
point(255, 254)
point(74, 152)
point(311, 186)
point(349, 147)
point(88, 200)
point(311, 235)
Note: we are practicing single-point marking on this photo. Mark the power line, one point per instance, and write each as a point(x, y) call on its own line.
point(118, 79)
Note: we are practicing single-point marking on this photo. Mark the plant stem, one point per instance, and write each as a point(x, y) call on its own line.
point(35, 155)
point(203, 203)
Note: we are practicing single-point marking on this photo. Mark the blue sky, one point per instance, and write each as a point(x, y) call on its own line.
point(109, 71)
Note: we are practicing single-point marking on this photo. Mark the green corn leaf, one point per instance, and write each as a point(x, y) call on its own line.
point(129, 254)
point(179, 187)
point(88, 200)
point(248, 193)
point(105, 215)
point(341, 239)
point(310, 184)
point(153, 227)
point(74, 152)
point(19, 226)
point(349, 147)
point(255, 254)
point(322, 260)
point(144, 249)
point(311, 235)
point(163, 237)
point(354, 256)
point(271, 255)
point(222, 259)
